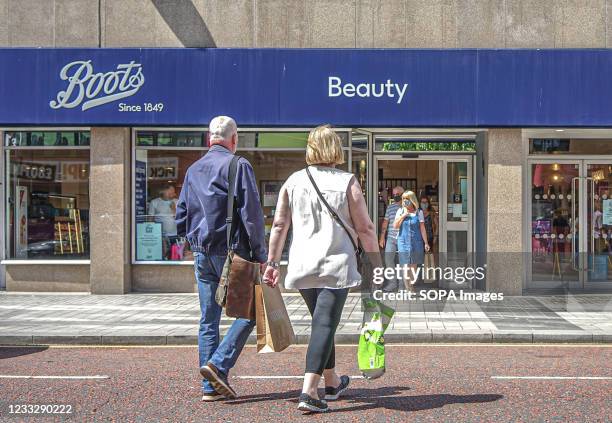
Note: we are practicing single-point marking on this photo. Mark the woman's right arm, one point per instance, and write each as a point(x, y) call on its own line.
point(278, 235)
point(398, 220)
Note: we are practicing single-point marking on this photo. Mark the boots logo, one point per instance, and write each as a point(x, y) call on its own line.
point(88, 89)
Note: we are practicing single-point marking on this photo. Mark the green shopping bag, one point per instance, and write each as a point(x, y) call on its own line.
point(371, 350)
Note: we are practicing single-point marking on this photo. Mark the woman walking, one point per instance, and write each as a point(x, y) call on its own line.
point(411, 244)
point(430, 220)
point(322, 261)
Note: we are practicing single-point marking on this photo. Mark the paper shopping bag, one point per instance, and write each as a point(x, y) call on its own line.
point(429, 271)
point(274, 330)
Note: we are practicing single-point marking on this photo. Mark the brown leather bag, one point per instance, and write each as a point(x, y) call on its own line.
point(236, 290)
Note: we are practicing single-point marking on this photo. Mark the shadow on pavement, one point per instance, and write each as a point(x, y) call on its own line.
point(248, 399)
point(388, 397)
point(10, 352)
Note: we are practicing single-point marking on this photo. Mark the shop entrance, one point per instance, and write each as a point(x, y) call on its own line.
point(445, 182)
point(571, 224)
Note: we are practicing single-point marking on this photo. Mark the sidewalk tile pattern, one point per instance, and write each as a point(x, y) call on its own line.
point(173, 318)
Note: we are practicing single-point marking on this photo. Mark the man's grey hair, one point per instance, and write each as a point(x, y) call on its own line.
point(222, 128)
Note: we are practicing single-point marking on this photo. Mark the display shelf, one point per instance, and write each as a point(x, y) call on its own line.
point(69, 233)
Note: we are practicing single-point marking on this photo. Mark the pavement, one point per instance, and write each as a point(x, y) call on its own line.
point(172, 319)
point(423, 383)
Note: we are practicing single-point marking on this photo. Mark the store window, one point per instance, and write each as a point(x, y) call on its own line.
point(552, 214)
point(47, 195)
point(359, 168)
point(570, 146)
point(160, 163)
point(160, 170)
point(272, 168)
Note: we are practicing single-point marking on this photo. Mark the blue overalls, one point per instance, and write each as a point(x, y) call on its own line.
point(410, 245)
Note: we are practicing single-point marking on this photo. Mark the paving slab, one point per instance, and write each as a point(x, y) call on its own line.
point(159, 319)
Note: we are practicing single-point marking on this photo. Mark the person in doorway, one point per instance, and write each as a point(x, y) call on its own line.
point(412, 236)
point(431, 220)
point(388, 237)
point(163, 208)
point(322, 261)
point(201, 218)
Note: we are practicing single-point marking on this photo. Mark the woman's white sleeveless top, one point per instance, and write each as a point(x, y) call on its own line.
point(321, 254)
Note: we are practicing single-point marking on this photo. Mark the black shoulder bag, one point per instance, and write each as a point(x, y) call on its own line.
point(364, 265)
point(236, 290)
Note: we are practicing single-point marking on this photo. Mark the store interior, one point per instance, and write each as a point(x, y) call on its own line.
point(420, 176)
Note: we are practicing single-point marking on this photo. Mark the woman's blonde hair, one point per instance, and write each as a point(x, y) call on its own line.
point(411, 196)
point(324, 147)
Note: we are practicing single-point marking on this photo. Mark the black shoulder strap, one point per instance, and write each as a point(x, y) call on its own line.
point(331, 211)
point(231, 177)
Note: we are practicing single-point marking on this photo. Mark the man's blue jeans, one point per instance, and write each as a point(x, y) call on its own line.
point(391, 259)
point(222, 355)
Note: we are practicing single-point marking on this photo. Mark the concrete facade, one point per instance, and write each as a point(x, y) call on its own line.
point(110, 210)
point(288, 24)
point(504, 212)
point(308, 23)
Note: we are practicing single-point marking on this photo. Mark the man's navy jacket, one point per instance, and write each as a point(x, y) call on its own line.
point(202, 207)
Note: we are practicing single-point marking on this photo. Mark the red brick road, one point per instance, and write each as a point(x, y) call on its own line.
point(453, 383)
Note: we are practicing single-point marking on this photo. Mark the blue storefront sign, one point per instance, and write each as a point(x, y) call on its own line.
point(287, 87)
point(140, 188)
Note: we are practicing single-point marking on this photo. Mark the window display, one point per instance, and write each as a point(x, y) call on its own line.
point(47, 196)
point(161, 160)
point(552, 203)
point(272, 168)
point(563, 146)
point(158, 178)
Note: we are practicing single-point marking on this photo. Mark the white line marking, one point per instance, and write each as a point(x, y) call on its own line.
point(554, 377)
point(53, 377)
point(284, 377)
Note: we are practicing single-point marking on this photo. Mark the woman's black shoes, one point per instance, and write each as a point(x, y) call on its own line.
point(332, 393)
point(308, 403)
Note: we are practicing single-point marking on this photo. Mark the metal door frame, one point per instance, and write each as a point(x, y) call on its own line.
point(585, 240)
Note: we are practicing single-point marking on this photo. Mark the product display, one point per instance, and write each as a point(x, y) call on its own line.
point(69, 233)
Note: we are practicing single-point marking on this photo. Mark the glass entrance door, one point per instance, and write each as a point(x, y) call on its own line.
point(456, 217)
point(597, 264)
point(456, 222)
point(571, 229)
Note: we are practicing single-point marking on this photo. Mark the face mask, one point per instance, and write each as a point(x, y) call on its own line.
point(407, 203)
point(397, 198)
point(424, 205)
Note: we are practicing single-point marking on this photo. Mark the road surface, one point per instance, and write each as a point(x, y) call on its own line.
point(442, 383)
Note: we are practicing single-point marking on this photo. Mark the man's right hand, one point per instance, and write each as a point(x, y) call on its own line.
point(381, 243)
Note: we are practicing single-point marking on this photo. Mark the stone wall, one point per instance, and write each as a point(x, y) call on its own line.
point(306, 23)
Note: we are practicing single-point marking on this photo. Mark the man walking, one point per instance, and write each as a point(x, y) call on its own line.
point(389, 234)
point(201, 215)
